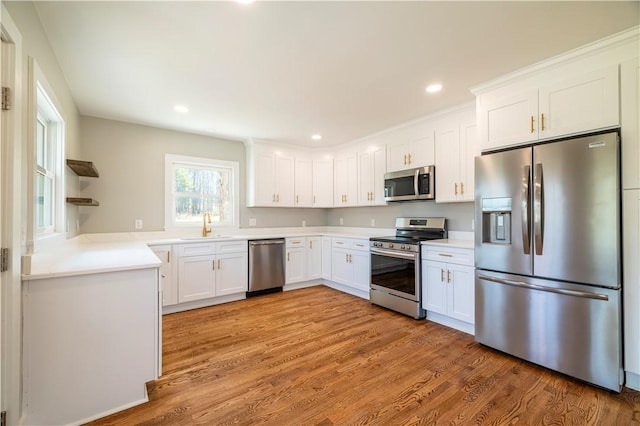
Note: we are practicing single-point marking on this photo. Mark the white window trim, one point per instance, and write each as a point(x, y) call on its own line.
point(39, 86)
point(169, 201)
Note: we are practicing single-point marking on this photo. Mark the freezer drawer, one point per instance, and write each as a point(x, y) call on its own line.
point(570, 328)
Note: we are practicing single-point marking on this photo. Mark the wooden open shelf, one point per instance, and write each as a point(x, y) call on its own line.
point(83, 168)
point(82, 201)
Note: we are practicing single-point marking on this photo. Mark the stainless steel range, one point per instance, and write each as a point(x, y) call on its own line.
point(396, 266)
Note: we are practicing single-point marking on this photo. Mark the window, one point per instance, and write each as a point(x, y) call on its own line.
point(195, 186)
point(48, 170)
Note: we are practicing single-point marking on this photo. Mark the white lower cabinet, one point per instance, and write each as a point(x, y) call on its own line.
point(303, 259)
point(296, 259)
point(168, 284)
point(314, 258)
point(326, 258)
point(448, 282)
point(211, 269)
point(350, 262)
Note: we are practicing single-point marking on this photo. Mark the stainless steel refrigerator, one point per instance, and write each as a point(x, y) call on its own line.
point(548, 256)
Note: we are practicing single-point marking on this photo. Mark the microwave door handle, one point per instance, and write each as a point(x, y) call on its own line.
point(416, 179)
point(526, 231)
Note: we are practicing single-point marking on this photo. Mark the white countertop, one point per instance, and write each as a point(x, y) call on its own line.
point(98, 253)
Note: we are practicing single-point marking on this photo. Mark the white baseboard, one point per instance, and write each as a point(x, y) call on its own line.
point(114, 410)
point(305, 284)
point(170, 309)
point(451, 322)
point(633, 381)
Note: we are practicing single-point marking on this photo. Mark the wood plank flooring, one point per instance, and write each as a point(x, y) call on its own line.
point(317, 356)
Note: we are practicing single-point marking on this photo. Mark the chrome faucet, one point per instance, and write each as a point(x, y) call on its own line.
point(206, 218)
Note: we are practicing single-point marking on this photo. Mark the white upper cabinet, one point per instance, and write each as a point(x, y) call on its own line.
point(555, 107)
point(410, 147)
point(271, 177)
point(303, 183)
point(322, 182)
point(371, 170)
point(456, 146)
point(345, 182)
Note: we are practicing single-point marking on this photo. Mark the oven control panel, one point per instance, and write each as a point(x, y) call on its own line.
point(397, 246)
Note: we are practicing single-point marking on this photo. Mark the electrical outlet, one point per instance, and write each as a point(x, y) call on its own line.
point(373, 222)
point(341, 221)
point(138, 224)
point(304, 223)
point(252, 221)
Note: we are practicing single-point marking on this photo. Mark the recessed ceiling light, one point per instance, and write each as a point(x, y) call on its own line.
point(316, 137)
point(433, 88)
point(181, 108)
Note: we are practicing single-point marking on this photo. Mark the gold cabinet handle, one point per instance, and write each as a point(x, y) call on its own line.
point(461, 188)
point(219, 263)
point(350, 259)
point(297, 199)
point(163, 275)
point(273, 198)
point(532, 130)
point(542, 121)
point(455, 188)
point(405, 160)
point(346, 258)
point(314, 199)
point(213, 266)
point(448, 276)
point(310, 245)
point(278, 197)
point(168, 257)
point(442, 275)
point(409, 155)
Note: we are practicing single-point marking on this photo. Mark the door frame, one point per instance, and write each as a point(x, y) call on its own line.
point(11, 222)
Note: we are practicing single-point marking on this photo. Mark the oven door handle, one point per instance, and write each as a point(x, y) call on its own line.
point(396, 254)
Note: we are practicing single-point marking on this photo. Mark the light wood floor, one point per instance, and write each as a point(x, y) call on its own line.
point(321, 357)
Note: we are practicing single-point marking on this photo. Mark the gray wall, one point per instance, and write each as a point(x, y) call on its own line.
point(36, 45)
point(130, 159)
point(459, 215)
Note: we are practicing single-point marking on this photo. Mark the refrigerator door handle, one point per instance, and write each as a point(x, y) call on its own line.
point(526, 232)
point(538, 209)
point(545, 288)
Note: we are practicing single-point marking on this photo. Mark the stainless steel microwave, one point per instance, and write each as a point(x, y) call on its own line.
point(412, 184)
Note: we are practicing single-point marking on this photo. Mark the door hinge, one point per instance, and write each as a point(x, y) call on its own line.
point(4, 266)
point(6, 99)
point(3, 418)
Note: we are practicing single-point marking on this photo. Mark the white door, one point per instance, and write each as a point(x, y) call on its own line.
point(460, 297)
point(360, 262)
point(314, 258)
point(448, 162)
point(296, 259)
point(196, 278)
point(232, 273)
point(434, 289)
point(509, 120)
point(303, 182)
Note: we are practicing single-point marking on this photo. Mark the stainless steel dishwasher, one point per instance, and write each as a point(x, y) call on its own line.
point(266, 266)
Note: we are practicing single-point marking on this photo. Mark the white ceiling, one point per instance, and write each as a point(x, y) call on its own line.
point(285, 70)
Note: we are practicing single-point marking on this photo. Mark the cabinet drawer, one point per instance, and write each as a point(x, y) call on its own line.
point(196, 249)
point(232, 246)
point(296, 242)
point(450, 255)
point(361, 245)
point(340, 242)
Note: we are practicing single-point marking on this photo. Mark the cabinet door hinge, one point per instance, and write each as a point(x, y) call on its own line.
point(6, 99)
point(4, 266)
point(3, 418)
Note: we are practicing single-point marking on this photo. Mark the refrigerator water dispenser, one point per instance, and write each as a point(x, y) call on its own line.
point(496, 220)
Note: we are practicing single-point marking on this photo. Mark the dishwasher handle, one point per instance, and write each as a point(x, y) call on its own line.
point(265, 242)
